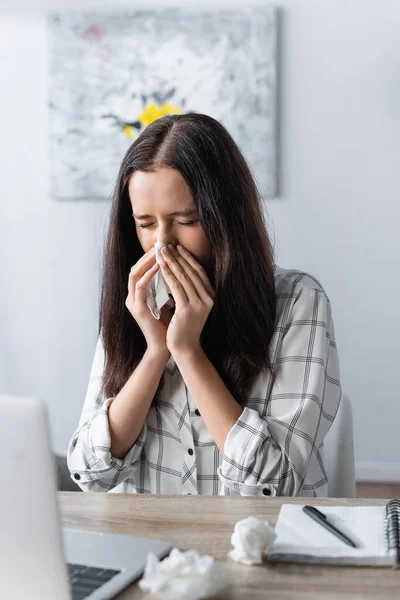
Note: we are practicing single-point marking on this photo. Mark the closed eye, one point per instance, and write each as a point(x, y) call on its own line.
point(150, 224)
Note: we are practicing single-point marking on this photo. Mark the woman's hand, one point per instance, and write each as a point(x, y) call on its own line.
point(140, 276)
point(193, 295)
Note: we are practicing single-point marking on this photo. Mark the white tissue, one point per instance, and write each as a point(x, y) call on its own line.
point(251, 538)
point(157, 290)
point(183, 576)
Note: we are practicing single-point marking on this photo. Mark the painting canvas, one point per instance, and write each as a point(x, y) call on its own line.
point(111, 75)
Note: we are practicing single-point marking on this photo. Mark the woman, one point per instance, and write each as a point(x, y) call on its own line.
point(234, 388)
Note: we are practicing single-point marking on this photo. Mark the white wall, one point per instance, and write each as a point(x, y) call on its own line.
point(336, 216)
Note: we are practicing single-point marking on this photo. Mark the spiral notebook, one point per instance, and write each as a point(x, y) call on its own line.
point(374, 529)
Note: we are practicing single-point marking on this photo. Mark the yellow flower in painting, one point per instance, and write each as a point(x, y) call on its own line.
point(128, 130)
point(168, 109)
point(153, 112)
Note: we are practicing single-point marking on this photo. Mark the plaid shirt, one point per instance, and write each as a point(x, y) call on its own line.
point(275, 447)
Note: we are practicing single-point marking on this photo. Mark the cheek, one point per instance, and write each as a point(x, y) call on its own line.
point(199, 246)
point(205, 251)
point(144, 240)
point(205, 245)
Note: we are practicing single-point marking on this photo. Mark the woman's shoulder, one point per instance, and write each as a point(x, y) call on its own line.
point(291, 283)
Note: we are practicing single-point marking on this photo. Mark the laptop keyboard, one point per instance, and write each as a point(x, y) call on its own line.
point(84, 580)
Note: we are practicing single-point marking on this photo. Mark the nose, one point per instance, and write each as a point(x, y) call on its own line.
point(165, 233)
point(166, 238)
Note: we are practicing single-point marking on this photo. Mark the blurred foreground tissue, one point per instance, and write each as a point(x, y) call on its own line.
point(157, 291)
point(183, 576)
point(251, 538)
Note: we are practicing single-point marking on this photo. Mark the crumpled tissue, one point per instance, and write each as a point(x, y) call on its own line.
point(184, 576)
point(157, 291)
point(251, 538)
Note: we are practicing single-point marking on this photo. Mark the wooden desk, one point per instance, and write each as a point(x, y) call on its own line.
point(205, 523)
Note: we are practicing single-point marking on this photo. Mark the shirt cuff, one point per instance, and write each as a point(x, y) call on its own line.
point(101, 461)
point(241, 446)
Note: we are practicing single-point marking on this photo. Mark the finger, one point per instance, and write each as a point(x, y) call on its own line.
point(146, 256)
point(194, 276)
point(196, 271)
point(194, 263)
point(169, 255)
point(143, 264)
point(176, 288)
point(137, 288)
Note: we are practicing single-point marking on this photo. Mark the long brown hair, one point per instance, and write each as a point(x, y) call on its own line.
point(238, 332)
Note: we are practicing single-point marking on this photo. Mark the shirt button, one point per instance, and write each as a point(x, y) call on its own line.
point(197, 412)
point(190, 451)
point(77, 476)
point(266, 492)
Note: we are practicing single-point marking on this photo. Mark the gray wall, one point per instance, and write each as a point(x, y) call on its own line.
point(336, 216)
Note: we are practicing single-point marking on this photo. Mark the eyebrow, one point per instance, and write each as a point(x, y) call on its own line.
point(188, 212)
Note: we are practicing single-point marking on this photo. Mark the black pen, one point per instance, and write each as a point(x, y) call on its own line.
point(322, 519)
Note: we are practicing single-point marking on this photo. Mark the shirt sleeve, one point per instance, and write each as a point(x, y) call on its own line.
point(89, 458)
point(269, 454)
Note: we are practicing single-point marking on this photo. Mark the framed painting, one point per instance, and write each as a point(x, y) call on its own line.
point(111, 75)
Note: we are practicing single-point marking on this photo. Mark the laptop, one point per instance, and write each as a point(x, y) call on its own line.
point(38, 558)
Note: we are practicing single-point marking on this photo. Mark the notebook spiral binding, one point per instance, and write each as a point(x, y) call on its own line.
point(393, 527)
